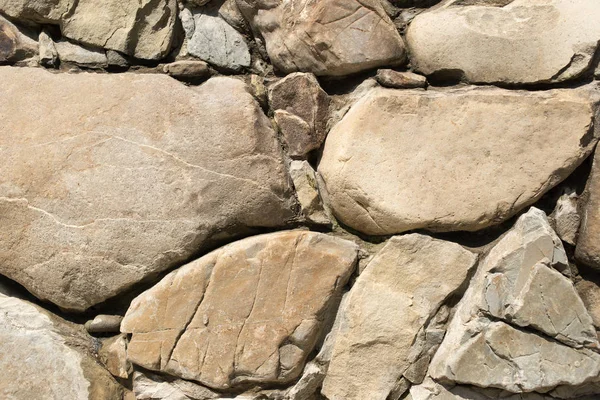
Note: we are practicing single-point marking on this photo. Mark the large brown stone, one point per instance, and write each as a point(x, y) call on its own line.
point(108, 179)
point(326, 37)
point(249, 312)
point(588, 245)
point(391, 301)
point(45, 357)
point(511, 42)
point(452, 159)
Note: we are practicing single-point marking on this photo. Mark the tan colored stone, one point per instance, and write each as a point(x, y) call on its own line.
point(115, 178)
point(187, 69)
point(589, 291)
point(148, 386)
point(47, 50)
point(588, 245)
point(327, 37)
point(448, 160)
point(512, 42)
point(391, 301)
point(104, 324)
point(45, 357)
point(400, 80)
point(301, 109)
point(565, 217)
point(249, 312)
point(113, 355)
point(79, 55)
point(40, 11)
point(14, 44)
point(518, 285)
point(307, 190)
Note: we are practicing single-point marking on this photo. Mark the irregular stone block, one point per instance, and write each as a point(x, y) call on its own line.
point(565, 217)
point(249, 312)
point(147, 386)
point(113, 355)
point(115, 178)
point(517, 285)
point(391, 301)
point(588, 245)
point(14, 44)
point(589, 291)
point(45, 357)
point(307, 189)
point(450, 160)
point(327, 37)
point(104, 324)
point(187, 69)
point(400, 80)
point(511, 42)
point(301, 111)
point(83, 56)
point(216, 42)
point(47, 50)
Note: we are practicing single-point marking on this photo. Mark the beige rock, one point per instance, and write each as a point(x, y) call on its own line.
point(447, 160)
point(327, 37)
point(520, 41)
point(79, 55)
point(301, 108)
point(588, 246)
point(517, 286)
point(589, 291)
point(113, 355)
point(400, 80)
point(565, 217)
point(307, 189)
point(431, 390)
point(47, 50)
point(187, 69)
point(147, 386)
point(40, 11)
point(251, 311)
point(127, 178)
point(116, 59)
point(104, 324)
point(391, 301)
point(45, 357)
point(14, 44)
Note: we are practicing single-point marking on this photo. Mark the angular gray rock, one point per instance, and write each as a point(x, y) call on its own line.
point(588, 246)
point(45, 357)
point(391, 301)
point(327, 37)
point(565, 218)
point(47, 50)
point(511, 42)
point(449, 160)
point(79, 55)
point(249, 312)
point(307, 190)
point(518, 286)
point(126, 178)
point(216, 42)
point(143, 29)
point(187, 69)
point(14, 44)
point(113, 355)
point(301, 111)
point(148, 386)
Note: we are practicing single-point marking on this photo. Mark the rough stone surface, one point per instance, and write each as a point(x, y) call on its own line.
point(40, 11)
point(218, 43)
point(104, 324)
point(400, 80)
point(589, 291)
point(301, 110)
point(147, 386)
point(307, 190)
point(328, 37)
point(44, 357)
point(518, 286)
point(431, 390)
point(15, 45)
point(521, 42)
point(83, 56)
point(588, 245)
point(251, 311)
point(47, 50)
point(447, 160)
point(135, 181)
point(565, 218)
point(401, 288)
point(187, 69)
point(113, 355)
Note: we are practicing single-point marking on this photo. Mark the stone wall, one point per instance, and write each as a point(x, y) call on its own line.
point(299, 199)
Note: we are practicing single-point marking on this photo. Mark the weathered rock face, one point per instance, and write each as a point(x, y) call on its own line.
point(301, 111)
point(509, 42)
point(44, 357)
point(143, 29)
point(14, 45)
point(565, 218)
point(307, 190)
point(590, 294)
point(215, 41)
point(251, 311)
point(451, 160)
point(328, 37)
point(113, 355)
point(151, 387)
point(588, 246)
point(400, 80)
point(135, 175)
point(400, 290)
point(518, 286)
point(84, 56)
